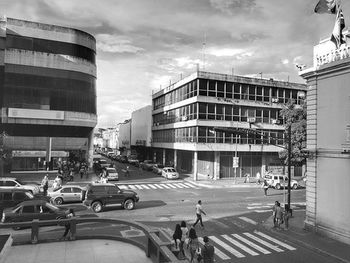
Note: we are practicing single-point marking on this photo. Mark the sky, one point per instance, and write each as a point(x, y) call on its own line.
point(142, 45)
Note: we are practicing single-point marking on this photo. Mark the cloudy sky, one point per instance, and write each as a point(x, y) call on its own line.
point(143, 44)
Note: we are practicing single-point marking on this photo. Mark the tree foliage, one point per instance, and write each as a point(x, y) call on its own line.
point(295, 117)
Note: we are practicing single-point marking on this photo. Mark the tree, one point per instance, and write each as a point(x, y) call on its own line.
point(295, 117)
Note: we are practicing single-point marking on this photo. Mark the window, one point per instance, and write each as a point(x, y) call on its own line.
point(228, 112)
point(202, 111)
point(203, 87)
point(287, 96)
point(266, 116)
point(266, 94)
point(19, 196)
point(219, 112)
point(236, 113)
point(244, 114)
point(66, 190)
point(229, 86)
point(251, 90)
point(212, 88)
point(244, 95)
point(221, 89)
point(211, 111)
point(28, 209)
point(202, 134)
point(7, 196)
point(237, 91)
point(259, 93)
point(10, 183)
point(258, 115)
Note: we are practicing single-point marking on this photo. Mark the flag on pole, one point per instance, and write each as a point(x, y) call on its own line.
point(326, 7)
point(337, 35)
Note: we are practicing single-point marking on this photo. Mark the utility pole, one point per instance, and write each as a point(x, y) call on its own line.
point(289, 160)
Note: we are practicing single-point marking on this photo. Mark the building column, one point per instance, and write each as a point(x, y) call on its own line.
point(216, 165)
point(263, 165)
point(48, 153)
point(195, 166)
point(90, 149)
point(175, 158)
point(164, 157)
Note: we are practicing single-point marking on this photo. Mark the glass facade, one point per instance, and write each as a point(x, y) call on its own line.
point(50, 46)
point(49, 89)
point(205, 134)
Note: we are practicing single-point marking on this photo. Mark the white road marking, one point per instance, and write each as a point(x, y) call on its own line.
point(275, 240)
point(138, 186)
point(158, 186)
point(183, 185)
point(255, 246)
point(248, 220)
point(165, 186)
point(241, 246)
point(132, 187)
point(152, 186)
point(190, 185)
point(227, 247)
point(171, 185)
point(267, 244)
point(145, 186)
point(178, 185)
point(218, 252)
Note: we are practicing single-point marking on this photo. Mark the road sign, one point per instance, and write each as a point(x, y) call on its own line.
point(235, 162)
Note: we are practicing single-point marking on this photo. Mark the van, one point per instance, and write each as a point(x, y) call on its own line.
point(279, 181)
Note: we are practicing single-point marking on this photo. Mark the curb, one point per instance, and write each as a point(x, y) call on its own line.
point(266, 226)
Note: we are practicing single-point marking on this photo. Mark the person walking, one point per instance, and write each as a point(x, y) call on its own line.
point(278, 215)
point(199, 212)
point(67, 225)
point(45, 184)
point(184, 231)
point(265, 186)
point(207, 251)
point(193, 243)
point(274, 213)
point(177, 236)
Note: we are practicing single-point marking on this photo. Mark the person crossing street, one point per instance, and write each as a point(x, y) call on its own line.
point(199, 212)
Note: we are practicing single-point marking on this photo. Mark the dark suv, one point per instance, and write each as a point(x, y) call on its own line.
point(100, 195)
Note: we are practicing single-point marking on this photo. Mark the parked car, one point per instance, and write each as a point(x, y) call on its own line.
point(10, 182)
point(100, 195)
point(170, 173)
point(66, 193)
point(280, 181)
point(133, 161)
point(112, 174)
point(33, 209)
point(147, 165)
point(158, 168)
point(14, 196)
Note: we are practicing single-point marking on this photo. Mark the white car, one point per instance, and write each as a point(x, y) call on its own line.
point(112, 174)
point(279, 181)
point(170, 173)
point(66, 193)
point(10, 182)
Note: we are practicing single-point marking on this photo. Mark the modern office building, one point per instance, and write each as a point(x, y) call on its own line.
point(328, 141)
point(47, 93)
point(186, 113)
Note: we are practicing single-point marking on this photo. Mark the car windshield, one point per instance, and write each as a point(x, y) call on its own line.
point(111, 170)
point(171, 170)
point(19, 182)
point(103, 161)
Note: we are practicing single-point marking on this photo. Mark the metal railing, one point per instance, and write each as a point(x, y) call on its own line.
point(155, 248)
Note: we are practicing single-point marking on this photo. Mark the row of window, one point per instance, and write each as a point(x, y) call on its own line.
point(229, 90)
point(212, 111)
point(208, 135)
point(50, 46)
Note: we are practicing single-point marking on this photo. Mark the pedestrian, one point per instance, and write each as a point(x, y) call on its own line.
point(193, 243)
point(70, 214)
point(184, 237)
point(258, 176)
point(207, 251)
point(127, 171)
point(199, 212)
point(45, 184)
point(274, 213)
point(265, 186)
point(278, 215)
point(177, 236)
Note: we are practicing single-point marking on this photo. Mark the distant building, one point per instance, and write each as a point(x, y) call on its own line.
point(141, 132)
point(185, 114)
point(328, 141)
point(124, 137)
point(47, 93)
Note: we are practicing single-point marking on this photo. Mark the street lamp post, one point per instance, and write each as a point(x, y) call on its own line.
point(289, 161)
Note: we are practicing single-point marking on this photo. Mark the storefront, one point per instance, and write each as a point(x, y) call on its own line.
point(35, 160)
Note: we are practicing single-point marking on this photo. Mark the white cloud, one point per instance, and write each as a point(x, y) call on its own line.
point(285, 61)
point(116, 44)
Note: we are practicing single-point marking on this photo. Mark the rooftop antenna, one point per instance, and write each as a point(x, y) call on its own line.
point(204, 43)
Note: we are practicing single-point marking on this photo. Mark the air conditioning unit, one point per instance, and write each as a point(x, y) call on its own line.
point(274, 100)
point(275, 121)
point(184, 118)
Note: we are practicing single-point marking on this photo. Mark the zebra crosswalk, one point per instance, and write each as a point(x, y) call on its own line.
point(262, 208)
point(245, 244)
point(158, 186)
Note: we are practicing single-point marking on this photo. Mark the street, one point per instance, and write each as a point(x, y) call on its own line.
point(233, 221)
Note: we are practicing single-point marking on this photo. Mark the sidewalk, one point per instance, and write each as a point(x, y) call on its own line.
point(320, 244)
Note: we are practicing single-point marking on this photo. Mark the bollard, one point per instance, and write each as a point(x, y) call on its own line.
point(35, 231)
point(73, 228)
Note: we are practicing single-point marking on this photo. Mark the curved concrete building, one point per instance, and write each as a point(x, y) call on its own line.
point(47, 93)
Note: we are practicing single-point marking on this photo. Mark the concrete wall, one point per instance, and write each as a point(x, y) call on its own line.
point(124, 137)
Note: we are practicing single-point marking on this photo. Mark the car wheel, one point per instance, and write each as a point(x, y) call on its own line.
point(295, 186)
point(278, 186)
point(129, 204)
point(96, 206)
point(58, 201)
